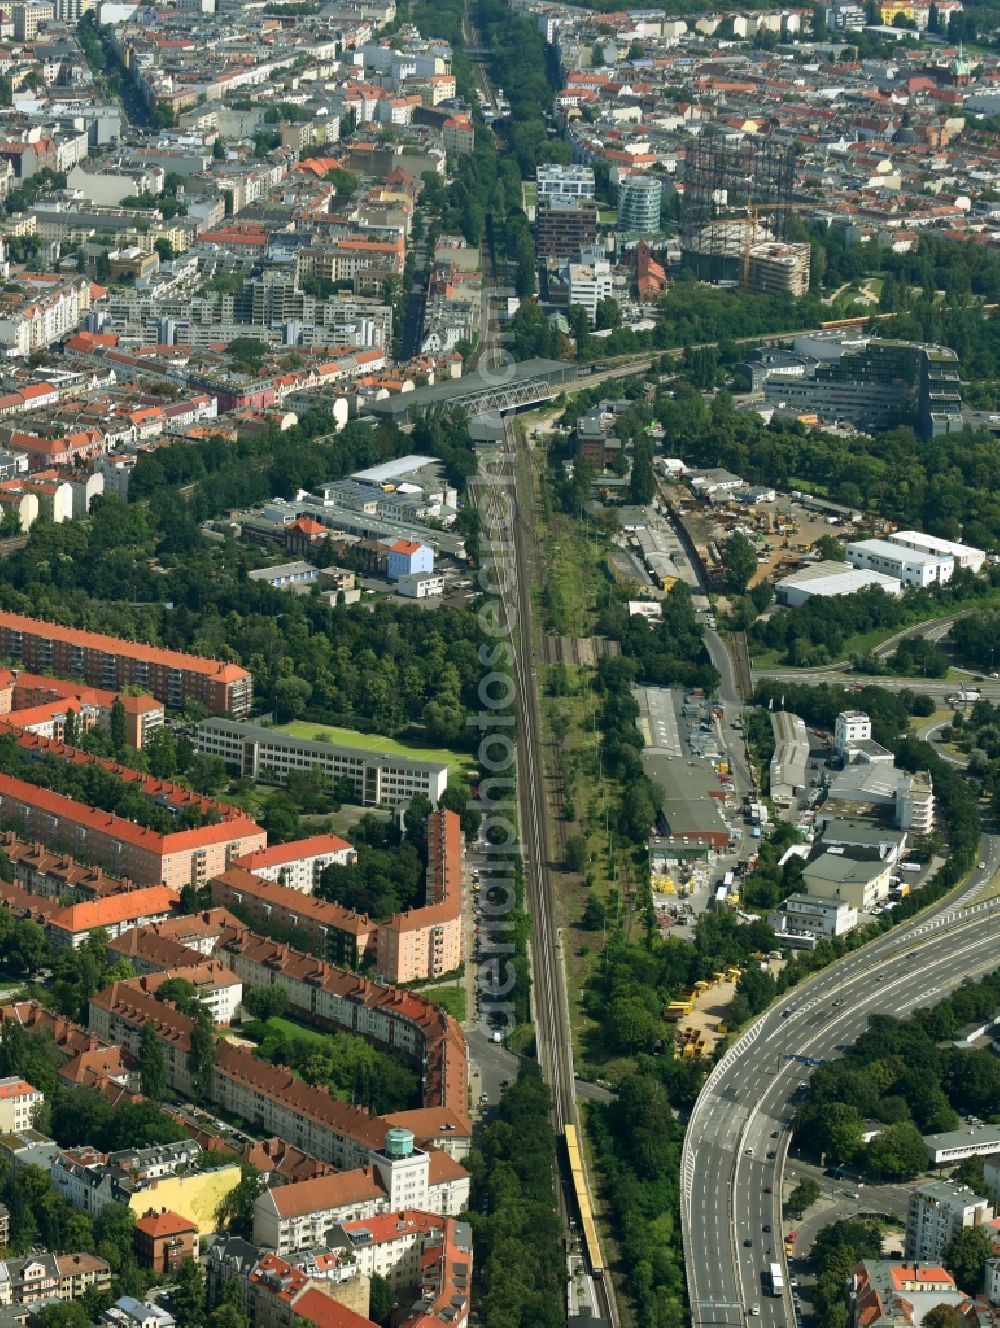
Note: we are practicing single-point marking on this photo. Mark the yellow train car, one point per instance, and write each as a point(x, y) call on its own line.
point(587, 1223)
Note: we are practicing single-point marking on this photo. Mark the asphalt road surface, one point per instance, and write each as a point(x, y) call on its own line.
point(730, 1187)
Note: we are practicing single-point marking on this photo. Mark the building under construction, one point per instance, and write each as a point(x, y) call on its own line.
point(738, 205)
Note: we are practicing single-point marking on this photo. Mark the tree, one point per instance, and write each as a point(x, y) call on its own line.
point(739, 561)
point(965, 1257)
point(236, 1209)
point(381, 1300)
point(280, 818)
point(71, 734)
point(161, 753)
point(898, 1152)
point(802, 1197)
point(187, 1300)
point(265, 1002)
point(64, 1314)
point(207, 774)
point(119, 726)
point(201, 1056)
point(227, 1316)
point(153, 1064)
point(945, 1316)
point(164, 248)
point(576, 853)
point(594, 914)
point(642, 482)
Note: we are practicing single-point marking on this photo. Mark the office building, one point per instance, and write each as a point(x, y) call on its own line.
point(553, 180)
point(970, 1141)
point(813, 917)
point(878, 385)
point(936, 1213)
point(913, 567)
point(379, 779)
point(565, 226)
point(590, 282)
point(110, 662)
point(639, 201)
point(963, 555)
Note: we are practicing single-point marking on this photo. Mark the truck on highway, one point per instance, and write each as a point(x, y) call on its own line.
point(775, 1279)
point(965, 696)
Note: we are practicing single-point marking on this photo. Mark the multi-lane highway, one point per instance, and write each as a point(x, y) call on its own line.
point(738, 1135)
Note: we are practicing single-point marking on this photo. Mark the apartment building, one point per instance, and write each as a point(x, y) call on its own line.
point(554, 180)
point(18, 1104)
point(639, 200)
point(404, 1021)
point(779, 269)
point(379, 779)
point(48, 309)
point(936, 1213)
point(331, 931)
point(41, 704)
point(172, 676)
point(426, 943)
point(302, 1216)
point(885, 1293)
point(421, 1255)
point(144, 856)
point(299, 864)
point(164, 1239)
point(56, 875)
point(114, 914)
point(44, 1277)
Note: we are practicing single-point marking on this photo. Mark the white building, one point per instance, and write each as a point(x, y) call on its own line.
point(936, 1213)
point(18, 1103)
point(379, 778)
point(555, 181)
point(812, 915)
point(913, 567)
point(830, 578)
point(963, 554)
point(590, 282)
point(852, 726)
point(300, 863)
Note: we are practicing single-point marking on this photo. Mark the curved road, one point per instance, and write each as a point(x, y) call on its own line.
point(745, 1110)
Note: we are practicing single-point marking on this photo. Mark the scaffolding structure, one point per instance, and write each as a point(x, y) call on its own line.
point(736, 195)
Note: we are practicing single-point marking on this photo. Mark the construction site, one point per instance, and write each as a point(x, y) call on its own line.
point(737, 212)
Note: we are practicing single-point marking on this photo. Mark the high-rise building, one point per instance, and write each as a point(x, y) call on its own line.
point(565, 226)
point(554, 181)
point(639, 199)
point(936, 1213)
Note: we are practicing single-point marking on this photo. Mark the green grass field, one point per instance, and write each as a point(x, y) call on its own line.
point(373, 742)
point(452, 998)
point(291, 1028)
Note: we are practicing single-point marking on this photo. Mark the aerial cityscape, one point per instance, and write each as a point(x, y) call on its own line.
point(499, 664)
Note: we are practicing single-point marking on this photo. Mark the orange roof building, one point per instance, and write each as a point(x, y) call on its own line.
point(172, 676)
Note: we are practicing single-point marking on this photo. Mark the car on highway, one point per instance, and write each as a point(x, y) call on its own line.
point(775, 1134)
point(749, 1152)
point(766, 1227)
point(755, 1310)
point(982, 866)
point(771, 1155)
point(747, 1243)
point(768, 1189)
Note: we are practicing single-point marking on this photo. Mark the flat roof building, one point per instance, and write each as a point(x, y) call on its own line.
point(964, 555)
point(913, 567)
point(790, 762)
point(380, 779)
point(691, 794)
point(956, 1145)
point(831, 578)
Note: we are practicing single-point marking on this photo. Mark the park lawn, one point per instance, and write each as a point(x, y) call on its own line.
point(452, 998)
point(292, 1028)
point(374, 742)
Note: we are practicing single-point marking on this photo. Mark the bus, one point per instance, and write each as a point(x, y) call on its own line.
point(776, 1280)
